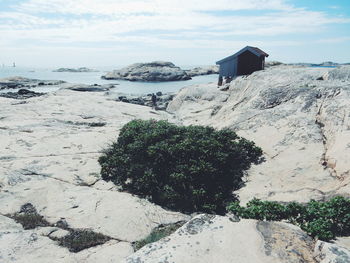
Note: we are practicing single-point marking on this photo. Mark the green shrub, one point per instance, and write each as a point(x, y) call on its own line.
point(29, 218)
point(324, 220)
point(189, 169)
point(78, 240)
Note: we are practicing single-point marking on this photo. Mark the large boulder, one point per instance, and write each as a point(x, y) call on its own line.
point(154, 71)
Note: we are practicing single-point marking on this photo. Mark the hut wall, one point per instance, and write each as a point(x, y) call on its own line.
point(248, 63)
point(228, 68)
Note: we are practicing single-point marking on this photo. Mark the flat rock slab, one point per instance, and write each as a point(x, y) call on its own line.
point(23, 246)
point(49, 150)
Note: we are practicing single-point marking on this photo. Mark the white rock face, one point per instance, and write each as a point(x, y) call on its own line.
point(49, 149)
point(18, 245)
point(209, 238)
point(301, 123)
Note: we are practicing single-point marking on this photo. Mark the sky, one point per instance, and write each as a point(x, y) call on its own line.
point(73, 33)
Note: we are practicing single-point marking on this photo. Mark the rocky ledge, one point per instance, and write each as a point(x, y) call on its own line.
point(154, 71)
point(82, 69)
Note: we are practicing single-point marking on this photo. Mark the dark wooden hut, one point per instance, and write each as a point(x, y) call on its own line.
point(244, 62)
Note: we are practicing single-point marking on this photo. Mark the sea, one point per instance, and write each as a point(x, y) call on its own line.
point(128, 87)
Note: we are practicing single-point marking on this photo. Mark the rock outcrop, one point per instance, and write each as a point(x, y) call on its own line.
point(301, 123)
point(210, 238)
point(154, 71)
point(199, 71)
point(48, 158)
point(75, 70)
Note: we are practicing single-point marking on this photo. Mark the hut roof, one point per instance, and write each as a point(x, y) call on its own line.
point(256, 51)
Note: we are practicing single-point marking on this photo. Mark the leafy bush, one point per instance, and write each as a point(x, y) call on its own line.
point(189, 169)
point(324, 220)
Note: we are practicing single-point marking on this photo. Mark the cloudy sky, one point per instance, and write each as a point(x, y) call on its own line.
point(186, 32)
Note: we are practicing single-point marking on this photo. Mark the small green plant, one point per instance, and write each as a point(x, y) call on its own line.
point(190, 169)
point(78, 240)
point(324, 220)
point(157, 234)
point(29, 218)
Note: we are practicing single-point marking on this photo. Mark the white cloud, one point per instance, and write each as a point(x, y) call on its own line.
point(126, 7)
point(206, 24)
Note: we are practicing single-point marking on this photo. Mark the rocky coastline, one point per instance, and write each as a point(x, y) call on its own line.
point(51, 191)
point(162, 100)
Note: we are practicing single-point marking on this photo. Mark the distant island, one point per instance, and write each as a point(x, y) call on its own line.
point(82, 69)
point(323, 64)
point(158, 71)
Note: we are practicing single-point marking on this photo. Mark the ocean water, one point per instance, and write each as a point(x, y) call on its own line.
point(128, 87)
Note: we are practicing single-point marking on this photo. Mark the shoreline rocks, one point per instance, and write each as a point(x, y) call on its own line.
point(163, 100)
point(21, 94)
point(20, 82)
point(153, 71)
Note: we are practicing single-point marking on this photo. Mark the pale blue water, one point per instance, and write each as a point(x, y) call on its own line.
point(95, 78)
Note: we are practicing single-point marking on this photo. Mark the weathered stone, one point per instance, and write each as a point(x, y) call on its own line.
point(49, 158)
point(209, 238)
point(331, 253)
point(302, 125)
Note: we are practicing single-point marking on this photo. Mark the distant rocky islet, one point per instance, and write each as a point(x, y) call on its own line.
point(158, 71)
point(75, 70)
